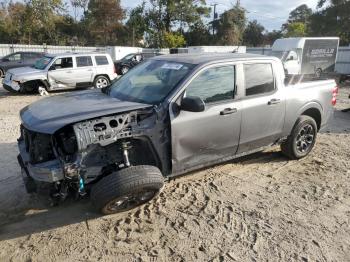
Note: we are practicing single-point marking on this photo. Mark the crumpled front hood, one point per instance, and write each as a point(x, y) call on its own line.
point(50, 114)
point(24, 71)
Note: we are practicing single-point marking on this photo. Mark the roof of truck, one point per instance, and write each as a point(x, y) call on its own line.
point(203, 58)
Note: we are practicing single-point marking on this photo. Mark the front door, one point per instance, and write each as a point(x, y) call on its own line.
point(202, 138)
point(60, 74)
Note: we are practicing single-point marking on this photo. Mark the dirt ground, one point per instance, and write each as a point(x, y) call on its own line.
point(257, 208)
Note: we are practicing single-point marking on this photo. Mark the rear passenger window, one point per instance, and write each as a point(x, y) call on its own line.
point(84, 61)
point(214, 84)
point(101, 60)
point(258, 79)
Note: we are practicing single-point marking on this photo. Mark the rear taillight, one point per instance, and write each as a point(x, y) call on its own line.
point(334, 95)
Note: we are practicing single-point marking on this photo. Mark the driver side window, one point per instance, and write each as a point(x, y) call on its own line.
point(65, 62)
point(213, 85)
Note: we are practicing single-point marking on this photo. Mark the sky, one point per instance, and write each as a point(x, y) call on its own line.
point(270, 13)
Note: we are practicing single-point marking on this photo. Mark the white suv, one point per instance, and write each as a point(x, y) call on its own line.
point(62, 71)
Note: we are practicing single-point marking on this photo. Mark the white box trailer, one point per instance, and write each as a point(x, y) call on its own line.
point(216, 49)
point(307, 55)
point(118, 52)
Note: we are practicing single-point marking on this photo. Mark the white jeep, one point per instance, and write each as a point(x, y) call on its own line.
point(62, 71)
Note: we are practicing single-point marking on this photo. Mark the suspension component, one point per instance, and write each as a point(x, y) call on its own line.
point(126, 146)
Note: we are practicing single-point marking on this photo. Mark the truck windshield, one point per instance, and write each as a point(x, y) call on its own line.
point(42, 63)
point(150, 82)
point(280, 54)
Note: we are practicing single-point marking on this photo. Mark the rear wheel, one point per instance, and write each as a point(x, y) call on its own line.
point(124, 70)
point(2, 73)
point(302, 138)
point(126, 189)
point(101, 82)
point(318, 73)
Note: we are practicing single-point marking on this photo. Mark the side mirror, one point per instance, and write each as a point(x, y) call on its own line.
point(192, 104)
point(52, 68)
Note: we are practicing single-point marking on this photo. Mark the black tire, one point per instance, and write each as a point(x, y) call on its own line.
point(126, 189)
point(124, 70)
point(101, 82)
point(318, 73)
point(2, 73)
point(294, 147)
point(29, 87)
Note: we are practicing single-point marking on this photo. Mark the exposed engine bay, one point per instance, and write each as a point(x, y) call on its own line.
point(105, 130)
point(80, 154)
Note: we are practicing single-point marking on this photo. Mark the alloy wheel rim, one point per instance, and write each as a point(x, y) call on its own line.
point(101, 83)
point(305, 138)
point(125, 70)
point(129, 201)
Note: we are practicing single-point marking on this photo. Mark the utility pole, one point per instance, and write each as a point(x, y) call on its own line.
point(215, 17)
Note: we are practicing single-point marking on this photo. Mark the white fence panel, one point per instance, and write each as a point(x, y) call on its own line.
point(6, 49)
point(259, 50)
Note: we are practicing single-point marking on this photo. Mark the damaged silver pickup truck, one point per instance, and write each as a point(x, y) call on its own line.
point(166, 117)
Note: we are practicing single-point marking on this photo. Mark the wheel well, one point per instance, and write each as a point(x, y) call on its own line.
point(38, 82)
point(315, 114)
point(102, 75)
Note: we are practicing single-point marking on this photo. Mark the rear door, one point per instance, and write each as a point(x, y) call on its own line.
point(60, 74)
point(201, 138)
point(263, 109)
point(83, 72)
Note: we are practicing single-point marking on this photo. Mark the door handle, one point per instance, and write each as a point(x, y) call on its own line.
point(89, 70)
point(228, 111)
point(274, 101)
point(68, 72)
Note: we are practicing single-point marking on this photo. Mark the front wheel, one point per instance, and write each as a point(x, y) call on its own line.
point(126, 189)
point(302, 138)
point(101, 82)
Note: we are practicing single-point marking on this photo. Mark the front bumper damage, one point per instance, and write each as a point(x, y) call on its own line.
point(78, 155)
point(35, 174)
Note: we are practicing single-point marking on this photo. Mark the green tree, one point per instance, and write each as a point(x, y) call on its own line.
point(300, 15)
point(332, 19)
point(198, 34)
point(165, 15)
point(137, 25)
point(271, 37)
point(231, 26)
point(253, 34)
point(173, 40)
point(103, 19)
point(296, 29)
